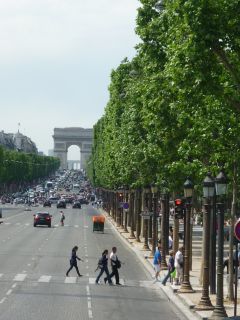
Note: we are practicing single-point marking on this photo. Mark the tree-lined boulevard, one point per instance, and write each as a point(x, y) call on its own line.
point(34, 262)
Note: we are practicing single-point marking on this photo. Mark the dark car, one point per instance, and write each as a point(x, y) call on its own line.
point(77, 205)
point(47, 203)
point(84, 201)
point(61, 204)
point(42, 219)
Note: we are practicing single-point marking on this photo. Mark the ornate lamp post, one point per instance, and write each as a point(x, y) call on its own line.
point(154, 190)
point(188, 193)
point(131, 213)
point(119, 197)
point(208, 193)
point(126, 199)
point(147, 190)
point(219, 311)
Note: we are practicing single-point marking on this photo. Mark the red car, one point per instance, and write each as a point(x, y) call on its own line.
point(42, 219)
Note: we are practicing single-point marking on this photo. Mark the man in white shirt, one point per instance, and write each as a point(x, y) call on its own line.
point(178, 264)
point(115, 265)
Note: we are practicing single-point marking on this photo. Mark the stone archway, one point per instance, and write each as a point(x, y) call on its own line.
point(66, 137)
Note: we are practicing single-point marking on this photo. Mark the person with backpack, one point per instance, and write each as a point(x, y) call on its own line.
point(73, 261)
point(103, 266)
point(115, 264)
point(171, 267)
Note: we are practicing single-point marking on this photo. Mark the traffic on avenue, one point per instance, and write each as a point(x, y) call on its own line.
point(46, 231)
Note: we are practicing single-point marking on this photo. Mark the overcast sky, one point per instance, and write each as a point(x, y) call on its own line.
point(56, 57)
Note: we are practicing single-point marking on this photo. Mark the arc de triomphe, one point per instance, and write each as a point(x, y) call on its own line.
point(66, 137)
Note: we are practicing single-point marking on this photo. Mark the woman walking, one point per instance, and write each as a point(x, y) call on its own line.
point(103, 265)
point(73, 261)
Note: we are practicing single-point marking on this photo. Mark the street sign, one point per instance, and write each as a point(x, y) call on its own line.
point(146, 215)
point(125, 205)
point(237, 230)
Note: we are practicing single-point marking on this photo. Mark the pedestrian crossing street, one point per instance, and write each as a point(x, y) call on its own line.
point(24, 277)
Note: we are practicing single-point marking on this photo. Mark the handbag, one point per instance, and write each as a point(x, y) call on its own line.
point(118, 264)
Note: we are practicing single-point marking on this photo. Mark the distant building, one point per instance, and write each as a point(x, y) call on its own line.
point(17, 142)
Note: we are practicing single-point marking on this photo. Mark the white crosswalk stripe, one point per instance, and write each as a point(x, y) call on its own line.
point(70, 280)
point(20, 277)
point(93, 280)
point(44, 278)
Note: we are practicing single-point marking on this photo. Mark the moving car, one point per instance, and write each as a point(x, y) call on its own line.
point(61, 204)
point(47, 203)
point(42, 219)
point(77, 205)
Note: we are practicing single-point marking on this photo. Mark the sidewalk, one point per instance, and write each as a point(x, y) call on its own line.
point(185, 302)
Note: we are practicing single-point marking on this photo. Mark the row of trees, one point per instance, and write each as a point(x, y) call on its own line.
point(18, 168)
point(174, 108)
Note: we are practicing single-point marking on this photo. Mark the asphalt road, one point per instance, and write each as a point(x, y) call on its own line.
point(33, 264)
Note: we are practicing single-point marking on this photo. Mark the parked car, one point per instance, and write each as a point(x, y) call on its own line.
point(61, 204)
point(76, 205)
point(47, 203)
point(42, 219)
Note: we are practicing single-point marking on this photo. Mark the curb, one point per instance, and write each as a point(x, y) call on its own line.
point(180, 302)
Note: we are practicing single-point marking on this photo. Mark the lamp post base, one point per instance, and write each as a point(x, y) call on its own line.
point(132, 235)
point(186, 288)
point(219, 313)
point(145, 247)
point(164, 265)
point(204, 304)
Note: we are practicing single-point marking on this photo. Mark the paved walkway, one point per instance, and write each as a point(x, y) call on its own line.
point(185, 302)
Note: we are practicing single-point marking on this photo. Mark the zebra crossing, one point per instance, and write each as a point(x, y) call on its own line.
point(30, 224)
point(48, 279)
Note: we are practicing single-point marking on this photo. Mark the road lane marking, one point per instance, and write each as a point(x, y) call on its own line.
point(70, 280)
point(1, 274)
point(14, 285)
point(90, 314)
point(44, 279)
point(20, 277)
point(9, 292)
point(3, 299)
point(76, 226)
point(88, 290)
point(89, 305)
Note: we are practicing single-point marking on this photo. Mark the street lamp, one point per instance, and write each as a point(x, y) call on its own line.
point(119, 196)
point(147, 190)
point(208, 192)
point(219, 311)
point(188, 193)
point(154, 190)
point(126, 199)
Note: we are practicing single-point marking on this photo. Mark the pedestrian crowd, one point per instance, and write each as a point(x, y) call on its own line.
point(102, 265)
point(175, 266)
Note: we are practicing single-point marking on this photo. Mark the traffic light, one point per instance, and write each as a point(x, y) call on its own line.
point(179, 209)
